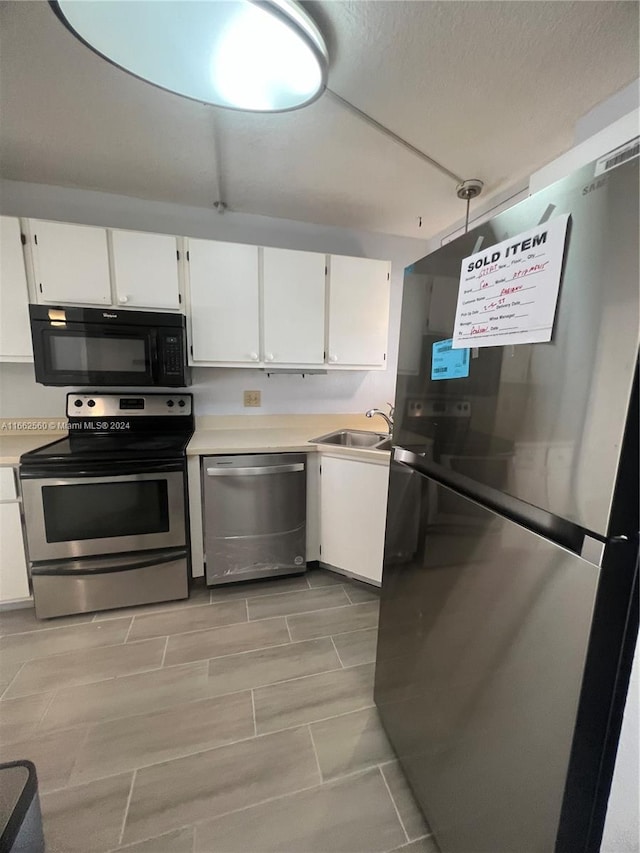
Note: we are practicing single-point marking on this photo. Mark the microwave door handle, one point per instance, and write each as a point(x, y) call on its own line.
point(156, 367)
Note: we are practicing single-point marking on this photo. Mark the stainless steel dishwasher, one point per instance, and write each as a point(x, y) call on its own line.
point(254, 512)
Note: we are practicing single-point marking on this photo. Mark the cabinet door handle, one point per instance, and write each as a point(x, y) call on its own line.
point(253, 356)
point(269, 356)
point(254, 472)
point(333, 358)
point(123, 299)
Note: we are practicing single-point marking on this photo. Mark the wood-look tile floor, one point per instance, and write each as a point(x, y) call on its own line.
point(239, 721)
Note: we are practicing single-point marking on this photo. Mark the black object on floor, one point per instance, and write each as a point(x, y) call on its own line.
point(20, 818)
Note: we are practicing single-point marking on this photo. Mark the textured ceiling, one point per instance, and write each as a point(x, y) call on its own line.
point(489, 89)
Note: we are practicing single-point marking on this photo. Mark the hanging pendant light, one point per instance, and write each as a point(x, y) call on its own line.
point(255, 55)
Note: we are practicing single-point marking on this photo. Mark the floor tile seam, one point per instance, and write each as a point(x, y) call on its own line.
point(150, 838)
point(8, 687)
point(133, 619)
point(164, 653)
point(85, 738)
point(251, 651)
point(250, 597)
point(315, 753)
point(346, 589)
point(318, 720)
point(413, 841)
point(86, 683)
point(285, 617)
point(60, 690)
point(45, 631)
point(354, 631)
point(73, 784)
point(302, 677)
point(188, 701)
point(286, 622)
point(190, 753)
point(185, 705)
point(339, 633)
point(126, 808)
point(305, 612)
point(253, 710)
point(318, 610)
point(212, 628)
point(36, 733)
point(199, 823)
point(99, 617)
point(388, 787)
point(187, 609)
point(44, 628)
point(336, 651)
point(193, 630)
point(91, 648)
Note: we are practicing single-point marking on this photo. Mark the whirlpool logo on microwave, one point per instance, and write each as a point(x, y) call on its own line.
point(108, 316)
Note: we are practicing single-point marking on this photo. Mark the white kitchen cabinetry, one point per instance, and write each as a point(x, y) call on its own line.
point(358, 312)
point(224, 303)
point(353, 509)
point(14, 580)
point(145, 270)
point(15, 332)
point(71, 263)
point(294, 306)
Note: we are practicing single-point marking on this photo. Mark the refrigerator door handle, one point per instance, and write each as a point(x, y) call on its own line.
point(558, 530)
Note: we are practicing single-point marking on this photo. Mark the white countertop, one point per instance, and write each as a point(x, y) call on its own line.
point(217, 435)
point(19, 435)
point(280, 434)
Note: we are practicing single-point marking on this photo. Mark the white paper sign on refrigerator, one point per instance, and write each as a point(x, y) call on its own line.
point(508, 292)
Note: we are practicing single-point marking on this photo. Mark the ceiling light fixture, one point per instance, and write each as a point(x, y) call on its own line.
point(254, 55)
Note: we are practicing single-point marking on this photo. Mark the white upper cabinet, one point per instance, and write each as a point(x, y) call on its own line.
point(145, 270)
point(15, 332)
point(71, 263)
point(358, 311)
point(224, 302)
point(294, 306)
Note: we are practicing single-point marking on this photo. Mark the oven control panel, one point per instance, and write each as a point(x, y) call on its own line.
point(131, 405)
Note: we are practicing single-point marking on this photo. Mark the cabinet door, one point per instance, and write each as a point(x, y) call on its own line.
point(293, 294)
point(223, 283)
point(71, 263)
point(358, 311)
point(14, 583)
point(145, 270)
point(353, 507)
point(15, 332)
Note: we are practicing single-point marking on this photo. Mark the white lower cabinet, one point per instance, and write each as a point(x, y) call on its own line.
point(14, 578)
point(353, 510)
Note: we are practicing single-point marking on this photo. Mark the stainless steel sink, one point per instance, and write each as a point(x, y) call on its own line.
point(355, 438)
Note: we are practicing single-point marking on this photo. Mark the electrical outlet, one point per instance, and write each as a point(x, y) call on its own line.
point(252, 398)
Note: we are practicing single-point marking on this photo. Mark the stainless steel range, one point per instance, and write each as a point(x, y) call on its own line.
point(105, 508)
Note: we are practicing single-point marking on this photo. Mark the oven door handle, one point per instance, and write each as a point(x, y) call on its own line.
point(66, 470)
point(106, 565)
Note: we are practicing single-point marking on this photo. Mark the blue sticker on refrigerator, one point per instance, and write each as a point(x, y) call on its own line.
point(448, 363)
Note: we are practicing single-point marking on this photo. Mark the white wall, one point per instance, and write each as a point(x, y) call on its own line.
point(218, 391)
point(622, 825)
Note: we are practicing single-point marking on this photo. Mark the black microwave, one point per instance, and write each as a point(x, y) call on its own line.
point(107, 347)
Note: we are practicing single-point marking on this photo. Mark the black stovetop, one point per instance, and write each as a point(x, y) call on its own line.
point(115, 447)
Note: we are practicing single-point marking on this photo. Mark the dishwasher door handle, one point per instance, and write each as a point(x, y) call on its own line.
point(254, 472)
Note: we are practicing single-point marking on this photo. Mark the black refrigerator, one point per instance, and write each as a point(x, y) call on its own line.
point(509, 607)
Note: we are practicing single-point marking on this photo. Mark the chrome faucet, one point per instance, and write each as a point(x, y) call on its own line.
point(388, 418)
